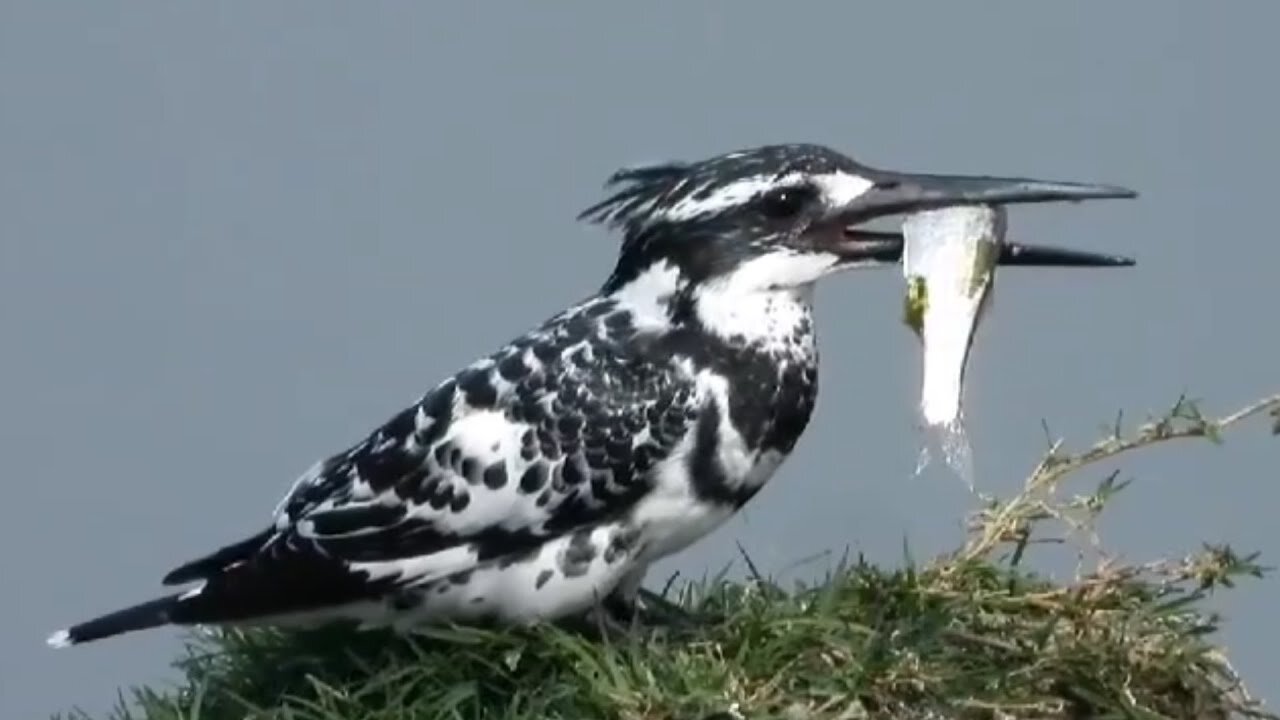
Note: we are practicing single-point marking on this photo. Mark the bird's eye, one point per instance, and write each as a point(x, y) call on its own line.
point(785, 203)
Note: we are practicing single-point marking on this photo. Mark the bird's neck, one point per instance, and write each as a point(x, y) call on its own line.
point(758, 341)
point(777, 321)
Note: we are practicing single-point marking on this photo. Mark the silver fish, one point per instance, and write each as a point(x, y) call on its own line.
point(949, 260)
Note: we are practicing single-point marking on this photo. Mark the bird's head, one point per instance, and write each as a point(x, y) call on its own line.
point(780, 217)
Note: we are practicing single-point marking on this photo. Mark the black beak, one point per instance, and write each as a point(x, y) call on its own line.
point(886, 247)
point(897, 193)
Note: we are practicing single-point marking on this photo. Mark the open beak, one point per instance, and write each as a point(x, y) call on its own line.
point(898, 193)
point(886, 247)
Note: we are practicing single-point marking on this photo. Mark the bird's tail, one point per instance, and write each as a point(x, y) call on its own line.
point(142, 616)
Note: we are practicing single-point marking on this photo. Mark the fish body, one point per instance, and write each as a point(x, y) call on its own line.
point(949, 260)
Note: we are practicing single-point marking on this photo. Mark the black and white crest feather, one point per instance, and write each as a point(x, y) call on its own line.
point(641, 192)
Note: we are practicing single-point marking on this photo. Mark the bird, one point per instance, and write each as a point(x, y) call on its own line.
point(542, 480)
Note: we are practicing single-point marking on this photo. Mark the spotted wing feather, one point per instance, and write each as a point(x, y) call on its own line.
point(556, 432)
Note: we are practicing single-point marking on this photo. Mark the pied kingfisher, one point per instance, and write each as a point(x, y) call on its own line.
point(542, 480)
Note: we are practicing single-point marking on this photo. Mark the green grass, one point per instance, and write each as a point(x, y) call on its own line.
point(974, 633)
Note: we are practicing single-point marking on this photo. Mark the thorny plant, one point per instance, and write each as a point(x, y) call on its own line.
point(1011, 521)
point(1011, 525)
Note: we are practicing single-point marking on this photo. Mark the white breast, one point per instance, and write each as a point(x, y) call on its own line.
point(739, 308)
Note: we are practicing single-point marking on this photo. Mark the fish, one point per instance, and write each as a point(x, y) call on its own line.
point(949, 260)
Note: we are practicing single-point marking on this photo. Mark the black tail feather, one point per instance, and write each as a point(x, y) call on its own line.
point(142, 616)
point(211, 564)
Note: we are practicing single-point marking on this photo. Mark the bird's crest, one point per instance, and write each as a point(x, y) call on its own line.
point(646, 192)
point(638, 191)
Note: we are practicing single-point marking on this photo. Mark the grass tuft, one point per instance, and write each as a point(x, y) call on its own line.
point(971, 634)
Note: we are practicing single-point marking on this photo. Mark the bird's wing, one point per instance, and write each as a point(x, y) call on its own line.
point(533, 442)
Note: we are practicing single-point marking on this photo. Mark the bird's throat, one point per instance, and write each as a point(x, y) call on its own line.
point(775, 321)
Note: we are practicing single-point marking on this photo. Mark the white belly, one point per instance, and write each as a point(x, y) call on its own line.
point(568, 574)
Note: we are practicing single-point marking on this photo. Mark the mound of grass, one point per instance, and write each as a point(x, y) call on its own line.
point(972, 634)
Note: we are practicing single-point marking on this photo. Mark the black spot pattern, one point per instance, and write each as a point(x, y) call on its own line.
point(344, 520)
point(534, 478)
point(577, 557)
point(495, 476)
point(477, 388)
point(512, 367)
point(404, 600)
point(470, 469)
point(461, 499)
point(621, 544)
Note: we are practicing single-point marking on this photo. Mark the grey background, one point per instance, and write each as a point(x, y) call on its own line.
point(234, 237)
